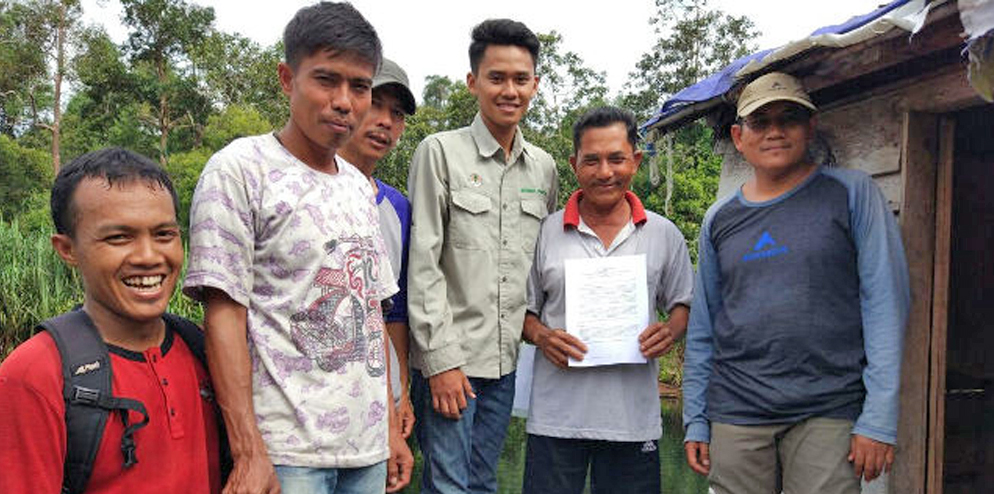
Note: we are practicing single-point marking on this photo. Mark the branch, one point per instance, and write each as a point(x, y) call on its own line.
point(34, 115)
point(34, 106)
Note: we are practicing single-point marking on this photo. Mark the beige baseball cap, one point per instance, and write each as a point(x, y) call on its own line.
point(775, 86)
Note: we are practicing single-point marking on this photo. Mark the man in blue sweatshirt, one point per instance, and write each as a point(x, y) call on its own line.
point(793, 356)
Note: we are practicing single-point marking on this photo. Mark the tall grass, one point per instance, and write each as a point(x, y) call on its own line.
point(35, 284)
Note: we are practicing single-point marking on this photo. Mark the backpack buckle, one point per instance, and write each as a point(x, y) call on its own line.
point(86, 396)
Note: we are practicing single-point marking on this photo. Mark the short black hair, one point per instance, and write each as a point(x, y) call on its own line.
point(605, 116)
point(113, 164)
point(336, 26)
point(501, 32)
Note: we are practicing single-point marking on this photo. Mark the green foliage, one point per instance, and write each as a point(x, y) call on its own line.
point(567, 89)
point(27, 39)
point(23, 172)
point(164, 34)
point(238, 71)
point(36, 284)
point(447, 105)
point(693, 41)
point(184, 170)
point(237, 120)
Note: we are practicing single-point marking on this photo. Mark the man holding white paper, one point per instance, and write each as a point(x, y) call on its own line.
point(600, 264)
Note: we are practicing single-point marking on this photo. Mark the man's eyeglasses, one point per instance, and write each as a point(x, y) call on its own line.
point(785, 120)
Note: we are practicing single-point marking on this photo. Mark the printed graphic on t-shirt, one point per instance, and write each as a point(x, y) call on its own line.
point(342, 324)
point(765, 248)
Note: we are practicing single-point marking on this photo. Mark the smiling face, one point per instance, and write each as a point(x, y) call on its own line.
point(504, 84)
point(329, 95)
point(774, 138)
point(126, 245)
point(604, 165)
point(379, 131)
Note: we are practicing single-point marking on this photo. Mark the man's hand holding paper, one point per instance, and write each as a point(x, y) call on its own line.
point(607, 308)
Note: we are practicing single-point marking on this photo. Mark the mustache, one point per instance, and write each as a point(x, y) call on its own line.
point(381, 136)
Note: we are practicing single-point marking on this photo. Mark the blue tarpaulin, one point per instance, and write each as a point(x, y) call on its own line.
point(716, 85)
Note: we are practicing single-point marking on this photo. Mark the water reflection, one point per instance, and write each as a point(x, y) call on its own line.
point(677, 478)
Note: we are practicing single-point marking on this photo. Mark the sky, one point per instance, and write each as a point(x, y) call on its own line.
point(431, 37)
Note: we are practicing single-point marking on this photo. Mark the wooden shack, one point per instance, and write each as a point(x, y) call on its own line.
point(900, 107)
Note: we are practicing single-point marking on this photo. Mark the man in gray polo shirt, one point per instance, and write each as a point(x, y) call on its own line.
point(604, 418)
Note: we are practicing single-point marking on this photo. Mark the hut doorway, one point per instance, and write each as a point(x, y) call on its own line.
point(968, 422)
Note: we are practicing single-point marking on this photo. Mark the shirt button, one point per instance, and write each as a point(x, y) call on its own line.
point(165, 382)
point(504, 242)
point(503, 279)
point(172, 412)
point(505, 207)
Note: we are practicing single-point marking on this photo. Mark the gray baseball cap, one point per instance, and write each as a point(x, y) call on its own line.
point(391, 73)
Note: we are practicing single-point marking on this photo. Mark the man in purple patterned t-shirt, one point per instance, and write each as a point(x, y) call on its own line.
point(286, 252)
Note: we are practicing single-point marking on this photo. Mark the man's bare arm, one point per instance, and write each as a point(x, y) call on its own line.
point(231, 373)
point(400, 339)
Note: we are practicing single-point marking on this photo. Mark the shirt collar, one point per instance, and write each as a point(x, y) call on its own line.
point(571, 216)
point(488, 146)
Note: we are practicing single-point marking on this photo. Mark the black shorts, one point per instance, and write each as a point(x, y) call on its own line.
point(559, 466)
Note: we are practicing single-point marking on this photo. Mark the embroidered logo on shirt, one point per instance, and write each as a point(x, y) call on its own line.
point(475, 180)
point(529, 190)
point(648, 446)
point(765, 248)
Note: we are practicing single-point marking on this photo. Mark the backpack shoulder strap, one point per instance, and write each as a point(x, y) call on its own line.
point(192, 335)
point(87, 377)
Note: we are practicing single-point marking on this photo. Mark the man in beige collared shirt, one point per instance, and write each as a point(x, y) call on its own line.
point(477, 195)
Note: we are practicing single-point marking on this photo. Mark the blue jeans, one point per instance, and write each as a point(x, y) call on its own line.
point(460, 456)
point(305, 480)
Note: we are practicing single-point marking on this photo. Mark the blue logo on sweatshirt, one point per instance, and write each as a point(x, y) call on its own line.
point(765, 248)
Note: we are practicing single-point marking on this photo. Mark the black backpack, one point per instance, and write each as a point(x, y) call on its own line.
point(86, 373)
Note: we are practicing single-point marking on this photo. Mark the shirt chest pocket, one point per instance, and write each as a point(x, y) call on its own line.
point(470, 222)
point(532, 212)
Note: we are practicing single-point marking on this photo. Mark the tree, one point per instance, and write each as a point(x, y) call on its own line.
point(163, 36)
point(22, 65)
point(693, 41)
point(105, 106)
point(447, 105)
point(53, 26)
point(237, 71)
point(567, 88)
point(25, 172)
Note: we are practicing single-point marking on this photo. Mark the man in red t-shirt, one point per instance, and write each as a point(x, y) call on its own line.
point(115, 218)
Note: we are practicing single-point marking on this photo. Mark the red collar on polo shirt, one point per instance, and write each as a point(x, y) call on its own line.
point(571, 217)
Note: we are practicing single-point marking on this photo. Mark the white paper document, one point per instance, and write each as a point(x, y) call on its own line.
point(607, 307)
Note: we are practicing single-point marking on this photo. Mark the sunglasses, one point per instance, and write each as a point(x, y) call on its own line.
point(787, 120)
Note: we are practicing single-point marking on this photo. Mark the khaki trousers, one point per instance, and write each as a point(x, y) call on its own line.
point(808, 457)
